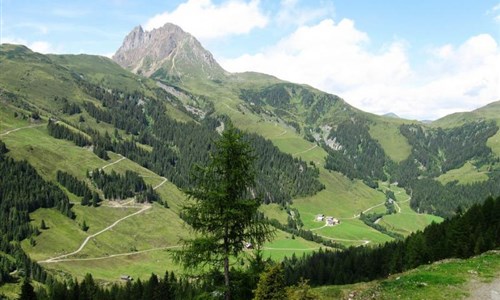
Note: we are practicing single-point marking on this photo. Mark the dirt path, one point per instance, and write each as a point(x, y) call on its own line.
point(115, 162)
point(112, 255)
point(307, 150)
point(164, 180)
point(318, 228)
point(57, 258)
point(230, 107)
point(290, 249)
point(281, 134)
point(364, 242)
point(16, 129)
point(485, 290)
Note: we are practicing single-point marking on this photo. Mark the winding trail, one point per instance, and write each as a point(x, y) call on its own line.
point(307, 150)
point(291, 249)
point(157, 186)
point(230, 107)
point(318, 228)
point(112, 255)
point(19, 128)
point(281, 134)
point(115, 162)
point(87, 239)
point(365, 242)
point(58, 258)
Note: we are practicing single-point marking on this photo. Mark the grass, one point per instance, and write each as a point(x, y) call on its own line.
point(468, 173)
point(275, 211)
point(448, 279)
point(48, 154)
point(392, 141)
point(286, 245)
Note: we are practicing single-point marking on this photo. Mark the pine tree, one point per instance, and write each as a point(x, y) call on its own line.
point(42, 225)
point(27, 291)
point(221, 211)
point(271, 284)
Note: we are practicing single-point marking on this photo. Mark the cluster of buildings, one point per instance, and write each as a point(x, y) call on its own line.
point(330, 221)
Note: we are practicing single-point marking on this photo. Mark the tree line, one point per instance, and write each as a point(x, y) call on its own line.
point(117, 186)
point(22, 191)
point(177, 146)
point(78, 187)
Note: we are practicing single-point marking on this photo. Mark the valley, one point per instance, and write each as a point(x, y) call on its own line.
point(153, 120)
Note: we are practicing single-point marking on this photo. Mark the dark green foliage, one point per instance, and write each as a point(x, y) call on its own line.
point(462, 236)
point(305, 234)
point(439, 150)
point(370, 219)
point(75, 186)
point(22, 191)
point(271, 285)
point(27, 291)
point(222, 211)
point(63, 132)
point(124, 110)
point(443, 200)
point(359, 155)
point(116, 186)
point(166, 288)
point(84, 226)
point(35, 115)
point(69, 108)
point(3, 148)
point(43, 225)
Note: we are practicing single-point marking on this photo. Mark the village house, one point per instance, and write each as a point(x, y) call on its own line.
point(320, 217)
point(126, 277)
point(330, 221)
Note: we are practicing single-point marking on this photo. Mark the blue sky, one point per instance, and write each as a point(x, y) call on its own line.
point(420, 59)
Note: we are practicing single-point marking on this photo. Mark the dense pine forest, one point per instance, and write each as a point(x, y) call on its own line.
point(22, 191)
point(177, 146)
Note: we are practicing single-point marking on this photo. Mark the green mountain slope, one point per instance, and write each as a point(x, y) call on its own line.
point(163, 124)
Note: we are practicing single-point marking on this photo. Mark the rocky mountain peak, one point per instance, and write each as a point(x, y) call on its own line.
point(167, 52)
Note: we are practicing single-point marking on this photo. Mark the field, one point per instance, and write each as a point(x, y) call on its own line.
point(392, 141)
point(468, 173)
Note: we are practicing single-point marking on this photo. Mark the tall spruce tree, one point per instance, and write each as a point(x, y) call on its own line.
point(222, 211)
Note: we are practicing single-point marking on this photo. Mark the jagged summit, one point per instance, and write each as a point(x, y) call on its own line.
point(167, 52)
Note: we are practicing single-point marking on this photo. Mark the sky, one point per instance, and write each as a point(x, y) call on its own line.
point(420, 59)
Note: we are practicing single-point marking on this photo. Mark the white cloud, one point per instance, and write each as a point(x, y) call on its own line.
point(36, 46)
point(495, 11)
point(292, 13)
point(207, 20)
point(336, 58)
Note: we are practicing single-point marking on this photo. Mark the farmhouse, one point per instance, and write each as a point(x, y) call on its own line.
point(126, 277)
point(330, 221)
point(320, 217)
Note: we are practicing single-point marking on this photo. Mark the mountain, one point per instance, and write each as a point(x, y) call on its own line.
point(154, 109)
point(391, 115)
point(169, 52)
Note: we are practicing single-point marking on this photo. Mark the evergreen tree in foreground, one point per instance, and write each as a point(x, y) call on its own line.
point(222, 213)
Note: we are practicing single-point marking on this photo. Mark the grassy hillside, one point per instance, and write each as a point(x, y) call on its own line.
point(488, 112)
point(139, 245)
point(473, 278)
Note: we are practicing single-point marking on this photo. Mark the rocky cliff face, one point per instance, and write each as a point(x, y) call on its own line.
point(167, 53)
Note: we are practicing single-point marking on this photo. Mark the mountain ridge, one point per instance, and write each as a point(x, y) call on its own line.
point(167, 51)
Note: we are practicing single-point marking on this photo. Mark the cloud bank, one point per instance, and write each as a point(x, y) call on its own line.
point(336, 58)
point(206, 20)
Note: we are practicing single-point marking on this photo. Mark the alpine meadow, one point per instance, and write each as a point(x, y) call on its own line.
point(156, 173)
